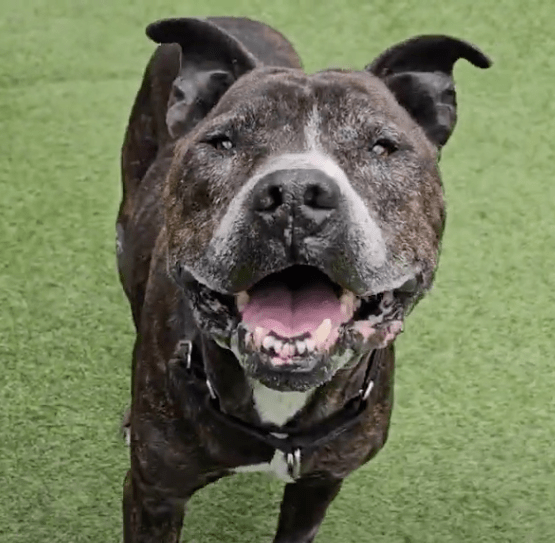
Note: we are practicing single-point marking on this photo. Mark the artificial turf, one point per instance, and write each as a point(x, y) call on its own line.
point(470, 455)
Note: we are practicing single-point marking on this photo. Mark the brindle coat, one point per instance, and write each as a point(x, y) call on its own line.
point(235, 79)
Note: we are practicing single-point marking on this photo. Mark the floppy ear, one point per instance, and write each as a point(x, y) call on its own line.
point(211, 61)
point(419, 72)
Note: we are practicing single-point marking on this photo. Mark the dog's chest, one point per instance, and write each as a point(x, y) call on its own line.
point(276, 408)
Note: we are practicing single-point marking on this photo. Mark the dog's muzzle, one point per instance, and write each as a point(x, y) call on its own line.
point(294, 329)
point(292, 320)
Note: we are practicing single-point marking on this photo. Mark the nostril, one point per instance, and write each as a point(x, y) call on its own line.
point(268, 199)
point(321, 196)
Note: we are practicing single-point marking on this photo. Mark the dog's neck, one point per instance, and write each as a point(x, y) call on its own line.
point(255, 403)
point(276, 407)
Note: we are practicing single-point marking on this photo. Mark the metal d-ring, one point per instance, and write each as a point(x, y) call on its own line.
point(185, 351)
point(211, 390)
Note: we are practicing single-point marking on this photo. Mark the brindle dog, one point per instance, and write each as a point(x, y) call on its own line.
point(275, 230)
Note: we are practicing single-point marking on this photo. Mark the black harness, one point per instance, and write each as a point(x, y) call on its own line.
point(290, 441)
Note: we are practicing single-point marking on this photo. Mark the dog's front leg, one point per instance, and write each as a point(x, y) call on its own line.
point(150, 519)
point(303, 509)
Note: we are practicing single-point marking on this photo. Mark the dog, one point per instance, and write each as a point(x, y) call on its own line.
point(275, 230)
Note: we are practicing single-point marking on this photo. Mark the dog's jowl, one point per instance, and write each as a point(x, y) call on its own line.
point(275, 230)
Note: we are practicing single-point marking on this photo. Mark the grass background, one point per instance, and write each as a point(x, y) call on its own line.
point(470, 456)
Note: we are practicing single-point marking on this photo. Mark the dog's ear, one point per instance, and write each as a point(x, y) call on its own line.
point(211, 61)
point(419, 72)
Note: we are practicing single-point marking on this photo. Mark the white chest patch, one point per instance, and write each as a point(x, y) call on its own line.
point(277, 467)
point(276, 408)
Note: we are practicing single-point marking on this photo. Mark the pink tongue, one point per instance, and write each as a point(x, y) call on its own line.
point(290, 313)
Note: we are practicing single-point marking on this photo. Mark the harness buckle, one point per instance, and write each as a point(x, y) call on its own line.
point(294, 463)
point(185, 351)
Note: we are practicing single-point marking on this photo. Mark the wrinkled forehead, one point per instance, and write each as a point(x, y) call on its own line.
point(341, 96)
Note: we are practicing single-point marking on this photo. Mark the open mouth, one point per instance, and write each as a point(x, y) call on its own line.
point(295, 328)
point(299, 312)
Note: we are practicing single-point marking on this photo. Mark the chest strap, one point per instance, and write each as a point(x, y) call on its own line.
point(289, 440)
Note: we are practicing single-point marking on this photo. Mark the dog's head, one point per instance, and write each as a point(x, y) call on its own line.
point(304, 213)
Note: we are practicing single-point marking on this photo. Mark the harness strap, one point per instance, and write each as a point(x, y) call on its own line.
point(290, 441)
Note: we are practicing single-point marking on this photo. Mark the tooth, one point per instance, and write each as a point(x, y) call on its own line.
point(310, 344)
point(259, 334)
point(277, 345)
point(347, 297)
point(323, 331)
point(348, 302)
point(288, 350)
point(268, 342)
point(301, 346)
point(242, 299)
point(387, 299)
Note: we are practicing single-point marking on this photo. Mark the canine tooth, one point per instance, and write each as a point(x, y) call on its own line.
point(278, 344)
point(301, 346)
point(348, 302)
point(347, 297)
point(259, 334)
point(268, 342)
point(242, 299)
point(323, 331)
point(387, 299)
point(310, 344)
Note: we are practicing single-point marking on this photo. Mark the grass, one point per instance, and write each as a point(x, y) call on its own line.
point(470, 455)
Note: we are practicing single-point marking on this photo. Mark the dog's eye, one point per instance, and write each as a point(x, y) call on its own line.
point(220, 142)
point(384, 147)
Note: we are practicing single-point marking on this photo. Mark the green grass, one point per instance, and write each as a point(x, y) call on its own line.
point(470, 456)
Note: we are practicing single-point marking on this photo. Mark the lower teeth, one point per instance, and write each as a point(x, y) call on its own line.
point(374, 311)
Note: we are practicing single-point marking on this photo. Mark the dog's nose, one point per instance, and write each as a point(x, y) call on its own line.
point(310, 195)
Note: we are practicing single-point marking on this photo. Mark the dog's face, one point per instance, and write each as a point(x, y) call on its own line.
point(304, 213)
